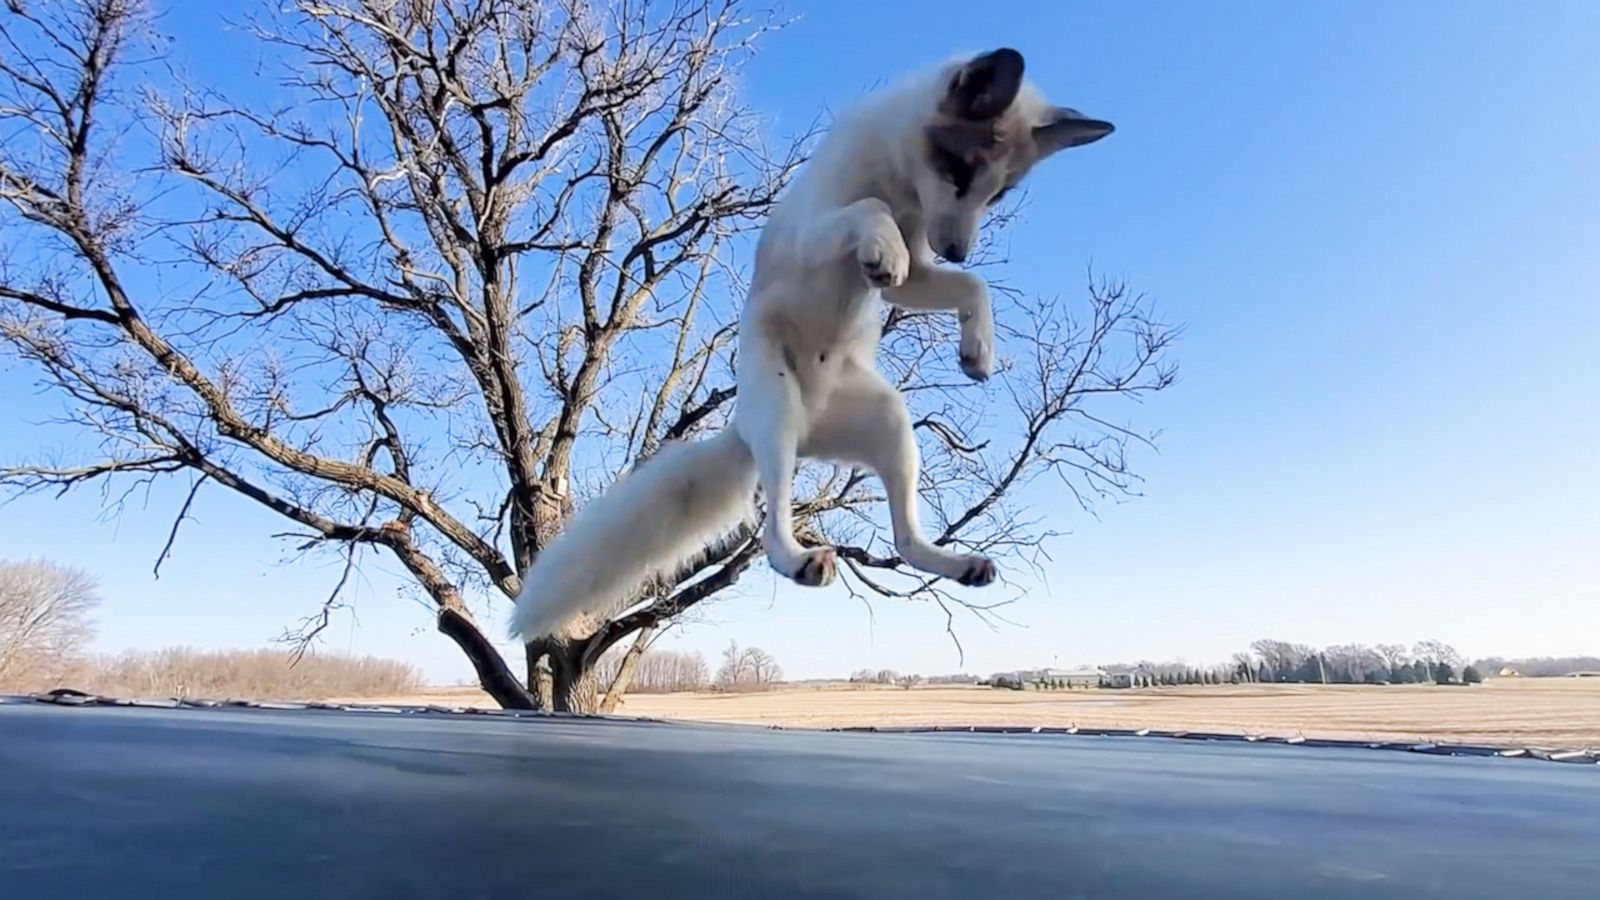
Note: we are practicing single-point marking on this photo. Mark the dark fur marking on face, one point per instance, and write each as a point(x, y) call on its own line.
point(954, 169)
point(959, 150)
point(977, 155)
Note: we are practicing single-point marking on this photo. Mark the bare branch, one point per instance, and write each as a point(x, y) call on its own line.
point(172, 536)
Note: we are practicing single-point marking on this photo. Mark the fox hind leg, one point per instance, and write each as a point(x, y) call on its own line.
point(770, 419)
point(866, 422)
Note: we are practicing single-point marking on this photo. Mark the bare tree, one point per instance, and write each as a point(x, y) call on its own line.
point(747, 669)
point(1283, 660)
point(473, 268)
point(1435, 651)
point(734, 668)
point(1393, 655)
point(763, 669)
point(45, 623)
point(1243, 666)
point(1440, 658)
point(1354, 663)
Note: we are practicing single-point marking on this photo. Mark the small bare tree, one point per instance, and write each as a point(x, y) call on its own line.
point(474, 267)
point(763, 669)
point(747, 669)
point(1243, 665)
point(1437, 652)
point(1438, 656)
point(734, 669)
point(1393, 656)
point(45, 622)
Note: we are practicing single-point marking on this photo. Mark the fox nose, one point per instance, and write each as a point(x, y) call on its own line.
point(954, 253)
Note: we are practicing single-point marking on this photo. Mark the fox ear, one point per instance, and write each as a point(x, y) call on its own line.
point(1069, 128)
point(984, 87)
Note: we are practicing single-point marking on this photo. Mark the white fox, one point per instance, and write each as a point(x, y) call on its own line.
point(906, 175)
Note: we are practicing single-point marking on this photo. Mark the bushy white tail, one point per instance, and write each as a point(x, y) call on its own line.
point(652, 520)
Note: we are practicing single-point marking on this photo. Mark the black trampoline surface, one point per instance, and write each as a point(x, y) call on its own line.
point(135, 803)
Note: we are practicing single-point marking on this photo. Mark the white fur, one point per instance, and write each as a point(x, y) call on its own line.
point(663, 512)
point(853, 227)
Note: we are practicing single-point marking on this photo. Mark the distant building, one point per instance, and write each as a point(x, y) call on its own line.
point(1078, 677)
point(1060, 678)
point(1119, 679)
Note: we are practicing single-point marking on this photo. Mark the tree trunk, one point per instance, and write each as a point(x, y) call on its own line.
point(496, 678)
point(570, 684)
point(577, 693)
point(573, 685)
point(539, 681)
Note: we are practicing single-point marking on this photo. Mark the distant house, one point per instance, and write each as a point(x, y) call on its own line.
point(1008, 680)
point(1119, 679)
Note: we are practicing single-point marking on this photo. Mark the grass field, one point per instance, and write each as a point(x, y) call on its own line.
point(1549, 712)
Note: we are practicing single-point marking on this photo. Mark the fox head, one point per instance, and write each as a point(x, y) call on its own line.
point(987, 132)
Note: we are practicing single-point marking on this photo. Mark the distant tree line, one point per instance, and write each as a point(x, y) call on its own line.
point(959, 678)
point(247, 675)
point(908, 680)
point(1176, 676)
point(660, 672)
point(1540, 666)
point(1270, 661)
point(47, 621)
point(1274, 661)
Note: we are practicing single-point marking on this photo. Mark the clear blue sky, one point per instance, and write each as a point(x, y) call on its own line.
point(1381, 225)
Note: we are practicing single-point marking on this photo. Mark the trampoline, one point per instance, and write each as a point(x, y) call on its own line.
point(105, 801)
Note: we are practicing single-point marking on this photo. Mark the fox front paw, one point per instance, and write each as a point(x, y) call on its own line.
point(977, 348)
point(883, 256)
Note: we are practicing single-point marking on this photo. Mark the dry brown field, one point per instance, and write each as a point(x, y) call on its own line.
point(1546, 712)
